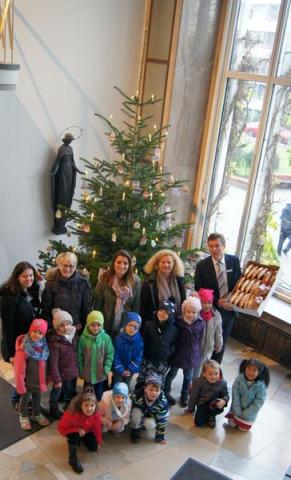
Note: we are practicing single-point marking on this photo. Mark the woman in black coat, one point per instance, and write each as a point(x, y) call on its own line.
point(68, 290)
point(19, 306)
point(164, 281)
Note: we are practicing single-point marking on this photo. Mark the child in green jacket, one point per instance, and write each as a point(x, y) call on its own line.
point(95, 354)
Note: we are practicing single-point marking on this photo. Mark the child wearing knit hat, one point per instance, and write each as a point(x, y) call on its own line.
point(95, 354)
point(30, 371)
point(128, 349)
point(63, 364)
point(187, 355)
point(115, 407)
point(212, 340)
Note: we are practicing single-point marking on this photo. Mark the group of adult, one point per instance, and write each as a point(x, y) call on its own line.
point(117, 291)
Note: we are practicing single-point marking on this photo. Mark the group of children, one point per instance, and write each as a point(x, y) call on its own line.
point(166, 344)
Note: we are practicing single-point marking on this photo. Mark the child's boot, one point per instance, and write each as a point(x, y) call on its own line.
point(55, 412)
point(73, 459)
point(135, 435)
point(184, 399)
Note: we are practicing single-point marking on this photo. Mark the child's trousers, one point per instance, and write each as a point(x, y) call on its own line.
point(24, 400)
point(68, 388)
point(89, 440)
point(138, 420)
point(204, 411)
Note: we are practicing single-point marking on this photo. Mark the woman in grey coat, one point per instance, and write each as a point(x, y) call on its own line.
point(117, 292)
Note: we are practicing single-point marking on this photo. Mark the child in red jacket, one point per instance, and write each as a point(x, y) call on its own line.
point(81, 421)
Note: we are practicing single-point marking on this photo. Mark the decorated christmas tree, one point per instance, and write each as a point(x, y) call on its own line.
point(125, 203)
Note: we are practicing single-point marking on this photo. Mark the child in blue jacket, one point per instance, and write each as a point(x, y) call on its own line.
point(128, 349)
point(249, 392)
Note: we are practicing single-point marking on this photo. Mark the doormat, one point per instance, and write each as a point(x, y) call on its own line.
point(10, 431)
point(193, 470)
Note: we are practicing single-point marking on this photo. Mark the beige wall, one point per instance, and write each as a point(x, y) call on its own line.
point(71, 54)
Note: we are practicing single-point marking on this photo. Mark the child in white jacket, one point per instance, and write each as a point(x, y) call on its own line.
point(115, 408)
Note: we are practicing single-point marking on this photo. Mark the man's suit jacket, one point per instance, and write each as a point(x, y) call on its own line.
point(205, 274)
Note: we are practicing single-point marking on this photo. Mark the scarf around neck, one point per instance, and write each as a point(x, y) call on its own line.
point(123, 293)
point(36, 350)
point(206, 315)
point(167, 289)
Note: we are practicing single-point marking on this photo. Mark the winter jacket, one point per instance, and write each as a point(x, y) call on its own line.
point(71, 422)
point(105, 300)
point(72, 295)
point(17, 313)
point(30, 374)
point(286, 219)
point(95, 356)
point(188, 350)
point(150, 296)
point(212, 335)
point(63, 363)
point(159, 410)
point(128, 352)
point(204, 392)
point(107, 406)
point(159, 340)
point(247, 399)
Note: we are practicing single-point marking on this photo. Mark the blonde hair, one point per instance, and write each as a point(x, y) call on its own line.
point(152, 263)
point(64, 255)
point(210, 364)
point(193, 302)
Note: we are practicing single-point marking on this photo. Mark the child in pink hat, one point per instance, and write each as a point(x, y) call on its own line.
point(212, 338)
point(30, 371)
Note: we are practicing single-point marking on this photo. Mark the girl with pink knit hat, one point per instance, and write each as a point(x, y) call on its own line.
point(212, 338)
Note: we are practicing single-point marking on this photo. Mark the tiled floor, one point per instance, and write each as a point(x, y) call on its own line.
point(264, 453)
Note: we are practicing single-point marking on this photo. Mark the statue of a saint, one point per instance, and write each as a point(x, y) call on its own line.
point(63, 183)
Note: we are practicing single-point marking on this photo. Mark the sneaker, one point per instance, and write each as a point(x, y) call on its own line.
point(16, 405)
point(171, 400)
point(40, 419)
point(211, 421)
point(25, 423)
point(184, 400)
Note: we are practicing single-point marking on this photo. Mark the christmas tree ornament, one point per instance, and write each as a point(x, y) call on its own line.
point(86, 228)
point(150, 137)
point(152, 98)
point(133, 260)
point(114, 237)
point(123, 196)
point(58, 213)
point(92, 216)
point(145, 213)
point(100, 192)
point(120, 170)
point(69, 232)
point(112, 136)
point(151, 196)
point(135, 186)
point(143, 240)
point(94, 254)
point(136, 225)
point(153, 243)
point(171, 180)
point(157, 154)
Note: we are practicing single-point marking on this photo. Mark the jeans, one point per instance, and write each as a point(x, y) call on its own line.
point(98, 389)
point(69, 390)
point(186, 380)
point(24, 400)
point(204, 411)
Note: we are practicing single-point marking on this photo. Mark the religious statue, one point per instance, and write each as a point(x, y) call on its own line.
point(63, 183)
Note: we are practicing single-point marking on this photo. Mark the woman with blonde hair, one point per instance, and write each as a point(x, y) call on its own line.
point(165, 280)
point(68, 290)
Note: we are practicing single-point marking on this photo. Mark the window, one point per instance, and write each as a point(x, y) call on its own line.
point(247, 195)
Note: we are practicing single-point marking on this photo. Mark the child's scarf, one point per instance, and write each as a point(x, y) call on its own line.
point(206, 315)
point(36, 350)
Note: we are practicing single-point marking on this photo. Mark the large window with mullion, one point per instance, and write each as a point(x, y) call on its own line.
point(249, 196)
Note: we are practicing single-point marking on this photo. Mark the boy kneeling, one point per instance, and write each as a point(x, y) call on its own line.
point(150, 410)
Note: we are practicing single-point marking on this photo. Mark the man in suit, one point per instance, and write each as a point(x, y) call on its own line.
point(219, 272)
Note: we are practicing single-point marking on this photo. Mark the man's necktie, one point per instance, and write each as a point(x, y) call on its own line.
point(221, 280)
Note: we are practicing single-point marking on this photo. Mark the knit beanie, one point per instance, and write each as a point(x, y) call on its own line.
point(153, 378)
point(132, 317)
point(38, 324)
point(193, 302)
point(206, 295)
point(168, 306)
point(61, 316)
point(120, 388)
point(95, 316)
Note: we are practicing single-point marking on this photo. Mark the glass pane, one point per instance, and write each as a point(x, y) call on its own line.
point(269, 228)
point(161, 29)
point(285, 56)
point(234, 156)
point(254, 38)
point(155, 83)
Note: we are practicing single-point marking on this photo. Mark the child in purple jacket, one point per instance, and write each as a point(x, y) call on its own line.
point(188, 351)
point(63, 364)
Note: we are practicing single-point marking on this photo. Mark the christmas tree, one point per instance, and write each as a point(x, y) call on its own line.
point(125, 202)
